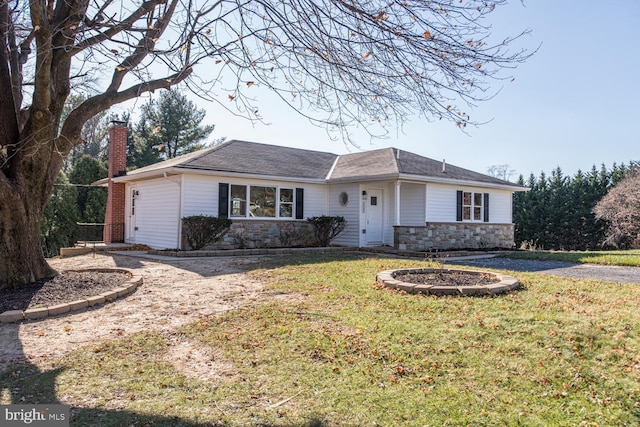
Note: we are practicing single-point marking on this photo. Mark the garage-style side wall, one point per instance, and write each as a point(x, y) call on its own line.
point(157, 213)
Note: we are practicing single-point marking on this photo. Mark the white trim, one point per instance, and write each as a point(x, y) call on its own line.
point(396, 220)
point(159, 173)
point(333, 166)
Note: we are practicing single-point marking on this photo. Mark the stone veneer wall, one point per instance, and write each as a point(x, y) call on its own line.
point(457, 235)
point(256, 234)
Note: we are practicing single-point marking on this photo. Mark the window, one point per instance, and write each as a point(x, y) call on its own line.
point(255, 201)
point(238, 200)
point(477, 206)
point(286, 203)
point(263, 202)
point(473, 206)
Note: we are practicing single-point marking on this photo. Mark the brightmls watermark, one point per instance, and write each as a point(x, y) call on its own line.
point(34, 415)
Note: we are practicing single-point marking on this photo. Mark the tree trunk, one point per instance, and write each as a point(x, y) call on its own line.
point(21, 257)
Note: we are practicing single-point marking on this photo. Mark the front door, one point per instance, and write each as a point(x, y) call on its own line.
point(374, 217)
point(131, 229)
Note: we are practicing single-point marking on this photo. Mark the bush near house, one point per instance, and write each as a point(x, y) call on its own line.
point(326, 228)
point(202, 230)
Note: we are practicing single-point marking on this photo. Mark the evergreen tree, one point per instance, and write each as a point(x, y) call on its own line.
point(557, 211)
point(172, 125)
point(140, 149)
point(58, 226)
point(91, 201)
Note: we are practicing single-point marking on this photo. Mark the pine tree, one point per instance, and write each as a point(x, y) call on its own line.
point(172, 125)
point(58, 226)
point(91, 201)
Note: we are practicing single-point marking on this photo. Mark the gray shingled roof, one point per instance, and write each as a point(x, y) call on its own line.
point(388, 162)
point(366, 164)
point(272, 160)
point(252, 158)
point(263, 159)
point(413, 164)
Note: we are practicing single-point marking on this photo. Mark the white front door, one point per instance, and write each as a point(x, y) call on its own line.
point(373, 214)
point(131, 205)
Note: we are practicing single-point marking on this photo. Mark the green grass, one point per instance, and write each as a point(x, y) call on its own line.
point(333, 348)
point(629, 258)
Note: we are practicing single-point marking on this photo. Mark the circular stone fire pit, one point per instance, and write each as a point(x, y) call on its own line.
point(440, 281)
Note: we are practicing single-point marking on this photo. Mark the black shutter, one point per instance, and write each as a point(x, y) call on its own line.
point(459, 206)
point(299, 203)
point(223, 200)
point(486, 207)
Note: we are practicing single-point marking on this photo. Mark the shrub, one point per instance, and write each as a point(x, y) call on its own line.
point(202, 230)
point(326, 228)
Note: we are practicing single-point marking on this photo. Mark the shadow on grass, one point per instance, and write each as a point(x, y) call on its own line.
point(210, 266)
point(26, 384)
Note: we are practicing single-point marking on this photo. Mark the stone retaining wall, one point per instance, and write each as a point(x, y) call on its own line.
point(257, 234)
point(457, 235)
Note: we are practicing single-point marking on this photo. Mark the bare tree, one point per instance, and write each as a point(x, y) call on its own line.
point(503, 171)
point(620, 207)
point(337, 62)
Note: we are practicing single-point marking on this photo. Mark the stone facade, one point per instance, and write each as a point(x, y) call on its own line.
point(257, 234)
point(436, 236)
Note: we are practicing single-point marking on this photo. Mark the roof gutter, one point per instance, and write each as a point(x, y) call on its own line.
point(470, 183)
point(165, 172)
point(430, 179)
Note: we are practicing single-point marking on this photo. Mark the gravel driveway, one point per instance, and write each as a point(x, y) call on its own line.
point(605, 273)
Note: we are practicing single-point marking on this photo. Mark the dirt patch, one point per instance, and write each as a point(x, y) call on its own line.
point(175, 292)
point(196, 360)
point(447, 278)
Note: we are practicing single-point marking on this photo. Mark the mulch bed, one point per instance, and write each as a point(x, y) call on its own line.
point(450, 278)
point(65, 287)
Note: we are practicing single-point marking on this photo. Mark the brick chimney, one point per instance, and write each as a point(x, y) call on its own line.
point(114, 216)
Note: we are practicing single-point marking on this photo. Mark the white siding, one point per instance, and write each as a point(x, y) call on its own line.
point(199, 196)
point(412, 202)
point(500, 207)
point(158, 213)
point(351, 212)
point(441, 203)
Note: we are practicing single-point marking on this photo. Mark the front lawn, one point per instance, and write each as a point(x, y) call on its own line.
point(330, 347)
point(630, 258)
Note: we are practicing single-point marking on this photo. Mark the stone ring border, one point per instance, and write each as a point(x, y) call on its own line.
point(131, 284)
point(505, 283)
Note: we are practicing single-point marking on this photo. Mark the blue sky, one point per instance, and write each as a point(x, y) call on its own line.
point(573, 104)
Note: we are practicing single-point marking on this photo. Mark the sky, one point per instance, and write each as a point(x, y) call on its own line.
point(573, 104)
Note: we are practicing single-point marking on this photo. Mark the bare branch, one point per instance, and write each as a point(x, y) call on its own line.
point(72, 127)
